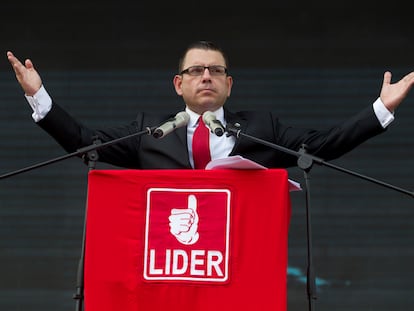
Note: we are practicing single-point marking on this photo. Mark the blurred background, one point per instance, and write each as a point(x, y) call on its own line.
point(314, 64)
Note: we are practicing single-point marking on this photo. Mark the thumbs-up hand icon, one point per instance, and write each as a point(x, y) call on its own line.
point(184, 222)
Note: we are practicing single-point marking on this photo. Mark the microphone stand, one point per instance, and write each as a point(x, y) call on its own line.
point(90, 157)
point(305, 162)
point(79, 152)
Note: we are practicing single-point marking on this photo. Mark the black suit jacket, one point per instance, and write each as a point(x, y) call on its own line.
point(170, 152)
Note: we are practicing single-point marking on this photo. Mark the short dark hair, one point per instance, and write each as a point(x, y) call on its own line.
point(203, 45)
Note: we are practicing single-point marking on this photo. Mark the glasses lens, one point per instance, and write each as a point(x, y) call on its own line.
point(217, 70)
point(196, 70)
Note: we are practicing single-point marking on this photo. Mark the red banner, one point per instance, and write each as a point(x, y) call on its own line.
point(186, 240)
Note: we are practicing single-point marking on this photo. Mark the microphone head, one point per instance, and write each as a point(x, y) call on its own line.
point(158, 133)
point(208, 116)
point(211, 121)
point(182, 118)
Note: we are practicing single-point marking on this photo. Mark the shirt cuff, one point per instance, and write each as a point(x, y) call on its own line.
point(385, 117)
point(40, 102)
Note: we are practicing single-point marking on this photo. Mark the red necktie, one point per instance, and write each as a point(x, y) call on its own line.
point(201, 145)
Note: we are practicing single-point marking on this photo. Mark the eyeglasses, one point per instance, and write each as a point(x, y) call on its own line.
point(215, 70)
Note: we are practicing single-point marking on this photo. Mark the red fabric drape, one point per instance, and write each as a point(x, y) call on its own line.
point(230, 253)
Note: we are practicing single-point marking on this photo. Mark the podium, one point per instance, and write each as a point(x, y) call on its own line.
point(182, 240)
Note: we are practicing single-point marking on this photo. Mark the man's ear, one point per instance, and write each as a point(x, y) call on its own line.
point(229, 85)
point(177, 81)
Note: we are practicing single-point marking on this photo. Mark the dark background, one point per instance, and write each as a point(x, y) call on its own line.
point(313, 63)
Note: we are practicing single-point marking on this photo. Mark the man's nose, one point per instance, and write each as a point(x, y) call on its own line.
point(206, 73)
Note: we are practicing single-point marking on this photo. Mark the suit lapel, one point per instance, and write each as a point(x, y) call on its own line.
point(234, 119)
point(237, 121)
point(181, 134)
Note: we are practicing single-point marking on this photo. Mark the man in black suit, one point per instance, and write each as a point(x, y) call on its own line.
point(204, 84)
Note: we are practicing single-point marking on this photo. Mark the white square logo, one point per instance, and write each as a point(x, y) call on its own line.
point(187, 235)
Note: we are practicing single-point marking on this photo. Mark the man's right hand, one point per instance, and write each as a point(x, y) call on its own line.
point(26, 74)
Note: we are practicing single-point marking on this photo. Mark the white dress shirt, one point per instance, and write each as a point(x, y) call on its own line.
point(220, 146)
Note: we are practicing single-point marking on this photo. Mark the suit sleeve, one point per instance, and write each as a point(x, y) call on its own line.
point(73, 135)
point(335, 141)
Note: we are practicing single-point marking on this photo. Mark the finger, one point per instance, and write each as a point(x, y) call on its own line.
point(181, 216)
point(15, 63)
point(192, 202)
point(28, 64)
point(178, 211)
point(387, 78)
point(9, 54)
point(409, 78)
point(182, 225)
point(178, 228)
point(12, 59)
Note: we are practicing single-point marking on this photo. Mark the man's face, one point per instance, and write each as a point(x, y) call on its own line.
point(206, 91)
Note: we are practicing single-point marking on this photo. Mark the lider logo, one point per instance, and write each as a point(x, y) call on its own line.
point(187, 235)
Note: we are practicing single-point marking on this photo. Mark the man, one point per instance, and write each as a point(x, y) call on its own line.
point(204, 84)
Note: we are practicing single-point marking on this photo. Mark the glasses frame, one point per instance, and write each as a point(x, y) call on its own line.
point(213, 73)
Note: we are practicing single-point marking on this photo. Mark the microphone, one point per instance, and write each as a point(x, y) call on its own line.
point(170, 125)
point(215, 125)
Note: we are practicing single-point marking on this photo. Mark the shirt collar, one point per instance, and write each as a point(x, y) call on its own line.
point(219, 113)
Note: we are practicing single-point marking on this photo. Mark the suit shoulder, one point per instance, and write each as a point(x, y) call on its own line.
point(251, 115)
